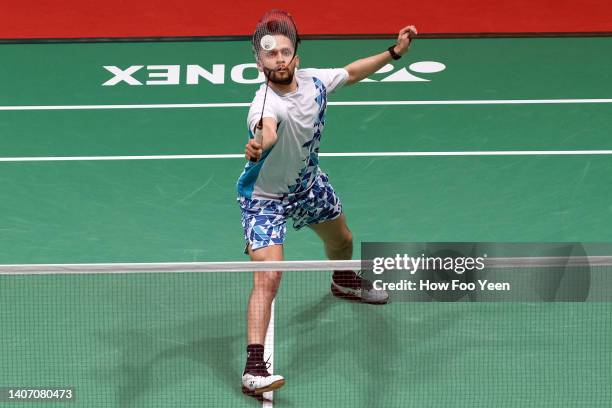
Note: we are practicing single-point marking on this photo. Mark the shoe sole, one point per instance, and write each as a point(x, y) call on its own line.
point(347, 296)
point(274, 386)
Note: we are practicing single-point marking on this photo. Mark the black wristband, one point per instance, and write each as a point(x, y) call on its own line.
point(394, 54)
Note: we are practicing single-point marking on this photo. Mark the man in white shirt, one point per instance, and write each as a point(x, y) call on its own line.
point(282, 180)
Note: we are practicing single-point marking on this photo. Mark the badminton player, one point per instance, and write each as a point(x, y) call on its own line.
point(282, 180)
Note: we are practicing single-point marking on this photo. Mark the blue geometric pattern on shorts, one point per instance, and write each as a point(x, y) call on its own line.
point(309, 171)
point(320, 204)
point(264, 221)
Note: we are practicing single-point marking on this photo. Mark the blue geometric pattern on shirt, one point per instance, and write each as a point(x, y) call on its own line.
point(308, 172)
point(248, 178)
point(264, 221)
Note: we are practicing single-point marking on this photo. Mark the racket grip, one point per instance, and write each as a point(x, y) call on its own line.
point(258, 137)
point(259, 132)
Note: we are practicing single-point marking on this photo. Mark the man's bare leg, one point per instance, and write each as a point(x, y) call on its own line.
point(265, 285)
point(256, 379)
point(336, 237)
point(338, 241)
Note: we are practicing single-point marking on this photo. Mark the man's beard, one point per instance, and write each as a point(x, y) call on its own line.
point(275, 78)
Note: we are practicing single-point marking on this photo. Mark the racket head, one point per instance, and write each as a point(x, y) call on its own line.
point(274, 22)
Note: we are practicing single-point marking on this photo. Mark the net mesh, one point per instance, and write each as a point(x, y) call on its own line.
point(168, 338)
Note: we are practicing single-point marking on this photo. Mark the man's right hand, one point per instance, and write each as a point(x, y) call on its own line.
point(253, 150)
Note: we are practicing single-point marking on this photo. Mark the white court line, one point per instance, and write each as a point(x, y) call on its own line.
point(347, 154)
point(269, 356)
point(145, 106)
point(337, 103)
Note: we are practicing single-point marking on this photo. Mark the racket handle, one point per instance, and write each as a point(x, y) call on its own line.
point(259, 131)
point(258, 136)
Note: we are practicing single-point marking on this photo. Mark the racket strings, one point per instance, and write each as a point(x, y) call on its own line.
point(275, 22)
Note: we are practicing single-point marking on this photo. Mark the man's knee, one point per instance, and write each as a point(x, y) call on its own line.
point(266, 254)
point(343, 242)
point(267, 282)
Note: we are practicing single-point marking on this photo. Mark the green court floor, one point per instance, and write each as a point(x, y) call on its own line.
point(178, 340)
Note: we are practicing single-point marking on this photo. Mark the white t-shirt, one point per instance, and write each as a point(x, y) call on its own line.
point(292, 164)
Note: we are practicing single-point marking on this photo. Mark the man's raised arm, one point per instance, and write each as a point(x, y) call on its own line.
point(365, 67)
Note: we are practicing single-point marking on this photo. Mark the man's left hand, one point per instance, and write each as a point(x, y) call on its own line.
point(404, 38)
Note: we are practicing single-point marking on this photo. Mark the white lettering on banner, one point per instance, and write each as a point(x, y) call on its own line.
point(122, 75)
point(194, 72)
point(247, 74)
point(171, 74)
point(237, 74)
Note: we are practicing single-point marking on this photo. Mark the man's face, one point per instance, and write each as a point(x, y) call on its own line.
point(277, 63)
